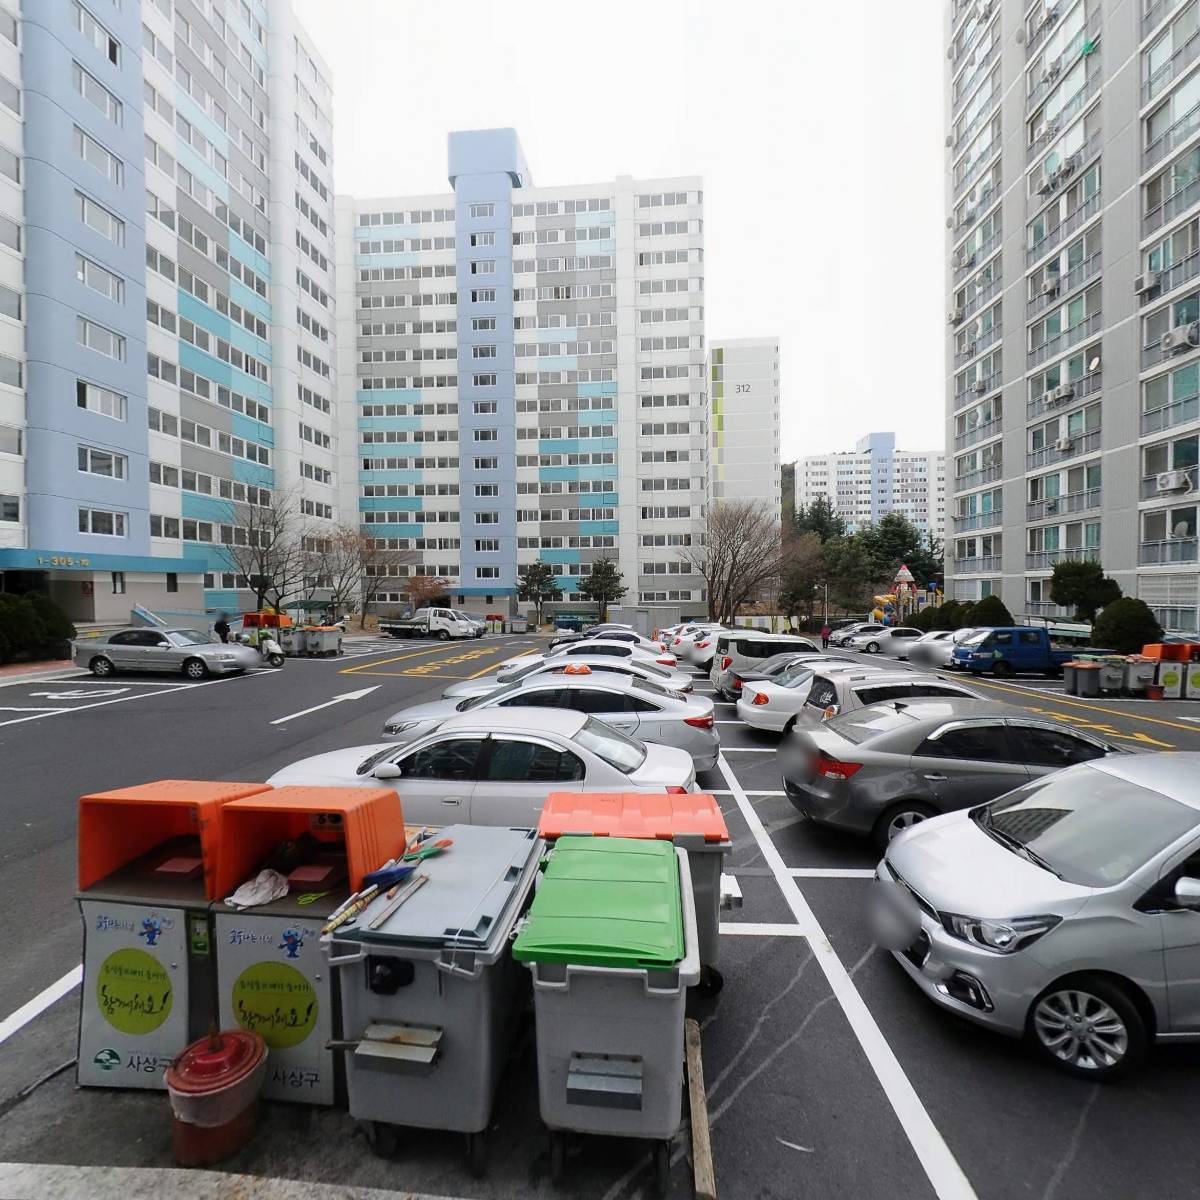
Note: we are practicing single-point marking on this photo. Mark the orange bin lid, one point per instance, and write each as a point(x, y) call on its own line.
point(633, 815)
point(371, 820)
point(117, 827)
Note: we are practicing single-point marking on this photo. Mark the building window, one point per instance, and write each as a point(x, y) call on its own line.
point(487, 572)
point(479, 211)
point(172, 582)
point(487, 379)
point(118, 583)
point(97, 217)
point(10, 232)
point(10, 164)
point(10, 439)
point(102, 462)
point(483, 351)
point(10, 303)
point(101, 521)
point(10, 508)
point(97, 337)
point(483, 266)
point(486, 435)
point(95, 93)
point(483, 295)
point(95, 155)
point(483, 239)
point(97, 35)
point(99, 400)
point(487, 545)
point(12, 372)
point(99, 279)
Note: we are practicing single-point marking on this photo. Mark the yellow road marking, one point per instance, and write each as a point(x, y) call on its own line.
point(440, 648)
point(1112, 712)
point(485, 670)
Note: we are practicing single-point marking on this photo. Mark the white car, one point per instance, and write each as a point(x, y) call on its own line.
point(937, 649)
point(893, 641)
point(697, 649)
point(668, 677)
point(773, 706)
point(497, 768)
point(574, 651)
point(841, 637)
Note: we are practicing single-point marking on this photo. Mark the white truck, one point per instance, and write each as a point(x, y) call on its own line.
point(441, 623)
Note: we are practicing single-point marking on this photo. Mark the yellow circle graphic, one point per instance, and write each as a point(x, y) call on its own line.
point(133, 991)
point(275, 1000)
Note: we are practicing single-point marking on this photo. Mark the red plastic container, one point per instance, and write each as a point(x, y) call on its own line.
point(214, 1086)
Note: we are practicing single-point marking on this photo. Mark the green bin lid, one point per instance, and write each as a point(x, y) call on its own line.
point(606, 902)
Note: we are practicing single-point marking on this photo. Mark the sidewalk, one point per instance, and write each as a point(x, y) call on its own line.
point(55, 668)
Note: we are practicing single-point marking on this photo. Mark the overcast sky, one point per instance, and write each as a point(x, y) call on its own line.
point(817, 128)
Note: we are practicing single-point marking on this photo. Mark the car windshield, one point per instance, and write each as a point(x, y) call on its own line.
point(1088, 827)
point(617, 749)
point(497, 694)
point(866, 723)
point(188, 637)
point(977, 639)
point(369, 764)
point(795, 677)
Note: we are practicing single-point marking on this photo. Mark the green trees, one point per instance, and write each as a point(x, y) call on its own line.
point(1082, 586)
point(1126, 625)
point(537, 585)
point(33, 626)
point(988, 611)
point(894, 541)
point(819, 518)
point(603, 585)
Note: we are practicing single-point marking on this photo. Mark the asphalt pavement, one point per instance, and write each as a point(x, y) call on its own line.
point(827, 1073)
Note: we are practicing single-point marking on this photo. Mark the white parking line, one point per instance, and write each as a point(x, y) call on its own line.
point(750, 929)
point(17, 1021)
point(831, 872)
point(729, 722)
point(745, 791)
point(939, 1164)
point(750, 749)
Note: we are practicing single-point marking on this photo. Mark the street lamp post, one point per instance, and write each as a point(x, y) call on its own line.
point(818, 587)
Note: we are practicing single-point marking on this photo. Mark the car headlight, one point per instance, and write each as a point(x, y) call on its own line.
point(1001, 937)
point(392, 727)
point(225, 657)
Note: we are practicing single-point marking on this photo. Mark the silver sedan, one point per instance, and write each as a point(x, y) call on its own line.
point(189, 652)
point(635, 706)
point(668, 677)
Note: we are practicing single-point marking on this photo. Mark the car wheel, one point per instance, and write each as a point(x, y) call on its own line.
point(443, 635)
point(1002, 669)
point(101, 667)
point(898, 818)
point(1089, 1027)
point(872, 647)
point(194, 668)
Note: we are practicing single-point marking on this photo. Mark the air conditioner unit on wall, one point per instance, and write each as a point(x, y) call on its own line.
point(1180, 338)
point(1173, 481)
point(1063, 445)
point(1064, 391)
point(1145, 283)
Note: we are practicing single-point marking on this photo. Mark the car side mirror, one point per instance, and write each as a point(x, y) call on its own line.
point(1187, 892)
point(387, 770)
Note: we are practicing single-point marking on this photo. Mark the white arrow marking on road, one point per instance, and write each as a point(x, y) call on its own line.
point(78, 695)
point(336, 700)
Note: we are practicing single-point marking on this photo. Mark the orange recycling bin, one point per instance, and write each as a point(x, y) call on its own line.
point(148, 859)
point(273, 978)
point(693, 821)
point(266, 620)
point(1167, 651)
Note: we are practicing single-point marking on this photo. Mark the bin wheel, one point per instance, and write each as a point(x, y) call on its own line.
point(477, 1153)
point(558, 1157)
point(662, 1168)
point(711, 982)
point(382, 1138)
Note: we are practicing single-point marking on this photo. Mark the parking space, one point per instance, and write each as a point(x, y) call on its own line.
point(443, 660)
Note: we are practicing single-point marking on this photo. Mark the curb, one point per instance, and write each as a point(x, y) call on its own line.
point(38, 676)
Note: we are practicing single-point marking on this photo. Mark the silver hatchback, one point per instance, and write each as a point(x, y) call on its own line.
point(1067, 911)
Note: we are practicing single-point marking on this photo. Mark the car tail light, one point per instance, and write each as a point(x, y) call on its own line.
point(699, 722)
point(726, 662)
point(679, 641)
point(761, 698)
point(833, 768)
point(665, 662)
point(673, 790)
point(735, 683)
point(702, 645)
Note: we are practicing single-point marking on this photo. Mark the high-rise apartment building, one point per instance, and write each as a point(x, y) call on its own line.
point(167, 341)
point(743, 394)
point(522, 376)
point(1073, 346)
point(876, 478)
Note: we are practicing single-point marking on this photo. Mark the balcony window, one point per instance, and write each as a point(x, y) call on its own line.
point(1179, 313)
point(1181, 454)
point(1180, 245)
point(1167, 525)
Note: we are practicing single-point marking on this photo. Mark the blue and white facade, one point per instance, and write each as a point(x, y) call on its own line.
point(527, 368)
point(171, 257)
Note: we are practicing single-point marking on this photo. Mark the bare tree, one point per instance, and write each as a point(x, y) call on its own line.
point(739, 557)
point(423, 590)
point(340, 568)
point(272, 546)
point(379, 567)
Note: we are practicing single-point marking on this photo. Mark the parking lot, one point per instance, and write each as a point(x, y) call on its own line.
point(827, 1073)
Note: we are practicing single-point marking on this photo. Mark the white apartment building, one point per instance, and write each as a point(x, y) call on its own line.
point(1073, 260)
point(743, 420)
point(522, 376)
point(876, 478)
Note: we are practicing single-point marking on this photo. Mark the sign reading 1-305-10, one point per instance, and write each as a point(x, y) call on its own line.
point(740, 388)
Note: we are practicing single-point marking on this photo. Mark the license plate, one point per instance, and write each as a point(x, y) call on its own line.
point(894, 918)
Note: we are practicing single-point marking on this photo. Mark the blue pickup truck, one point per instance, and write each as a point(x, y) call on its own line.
point(1005, 651)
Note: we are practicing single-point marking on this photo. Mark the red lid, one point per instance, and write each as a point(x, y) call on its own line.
point(215, 1062)
point(633, 815)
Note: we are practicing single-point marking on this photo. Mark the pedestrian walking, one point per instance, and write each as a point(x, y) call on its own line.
point(824, 635)
point(221, 627)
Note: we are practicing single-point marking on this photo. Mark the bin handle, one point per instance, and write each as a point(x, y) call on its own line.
point(342, 960)
point(687, 970)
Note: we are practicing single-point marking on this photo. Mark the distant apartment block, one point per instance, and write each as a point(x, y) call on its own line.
point(876, 478)
point(743, 421)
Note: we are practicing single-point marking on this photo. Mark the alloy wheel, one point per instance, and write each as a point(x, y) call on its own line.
point(902, 821)
point(1081, 1029)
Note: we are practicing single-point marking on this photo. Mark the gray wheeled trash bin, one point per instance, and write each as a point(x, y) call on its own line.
point(431, 996)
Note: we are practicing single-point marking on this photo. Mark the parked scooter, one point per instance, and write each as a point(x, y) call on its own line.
point(270, 650)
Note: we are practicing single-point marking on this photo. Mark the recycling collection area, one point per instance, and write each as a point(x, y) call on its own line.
point(301, 944)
